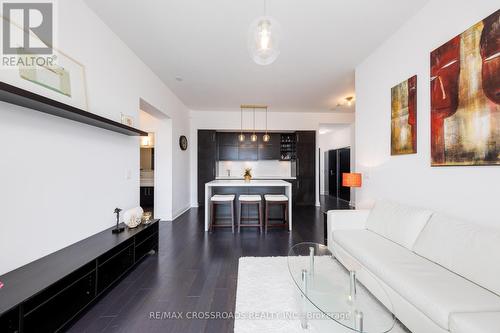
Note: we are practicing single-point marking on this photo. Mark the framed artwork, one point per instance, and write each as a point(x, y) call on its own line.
point(61, 79)
point(404, 117)
point(465, 97)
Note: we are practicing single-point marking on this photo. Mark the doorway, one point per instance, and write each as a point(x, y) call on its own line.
point(339, 162)
point(147, 174)
point(156, 186)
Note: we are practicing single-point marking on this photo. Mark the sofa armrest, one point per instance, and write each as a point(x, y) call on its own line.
point(345, 220)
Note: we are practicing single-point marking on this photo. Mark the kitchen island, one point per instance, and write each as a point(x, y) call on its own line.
point(252, 187)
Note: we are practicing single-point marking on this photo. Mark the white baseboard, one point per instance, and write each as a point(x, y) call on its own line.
point(182, 211)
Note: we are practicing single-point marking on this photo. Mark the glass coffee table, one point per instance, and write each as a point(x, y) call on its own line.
point(333, 298)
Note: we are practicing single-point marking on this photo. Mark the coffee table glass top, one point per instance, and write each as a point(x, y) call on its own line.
point(331, 295)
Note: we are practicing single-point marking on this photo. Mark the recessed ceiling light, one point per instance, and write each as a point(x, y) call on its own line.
point(178, 78)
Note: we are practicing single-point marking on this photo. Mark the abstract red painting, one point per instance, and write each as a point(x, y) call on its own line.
point(404, 117)
point(465, 97)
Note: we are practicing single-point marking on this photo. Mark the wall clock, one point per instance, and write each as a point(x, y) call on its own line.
point(183, 142)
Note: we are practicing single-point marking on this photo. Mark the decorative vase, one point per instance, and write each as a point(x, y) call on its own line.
point(248, 178)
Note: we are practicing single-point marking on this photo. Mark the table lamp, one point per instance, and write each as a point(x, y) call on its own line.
point(351, 180)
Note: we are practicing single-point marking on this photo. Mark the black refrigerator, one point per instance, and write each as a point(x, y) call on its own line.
point(339, 162)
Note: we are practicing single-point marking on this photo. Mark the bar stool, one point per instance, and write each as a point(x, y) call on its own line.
point(218, 200)
point(280, 200)
point(249, 200)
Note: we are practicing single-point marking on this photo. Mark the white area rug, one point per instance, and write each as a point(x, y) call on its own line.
point(267, 298)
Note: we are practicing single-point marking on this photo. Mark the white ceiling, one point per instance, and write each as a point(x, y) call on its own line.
point(205, 43)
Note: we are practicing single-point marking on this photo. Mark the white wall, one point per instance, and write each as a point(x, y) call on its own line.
point(60, 180)
point(468, 192)
point(282, 121)
point(333, 137)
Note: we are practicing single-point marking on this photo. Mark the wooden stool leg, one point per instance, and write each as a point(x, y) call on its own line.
point(212, 216)
point(266, 220)
point(259, 207)
point(239, 216)
point(286, 215)
point(232, 216)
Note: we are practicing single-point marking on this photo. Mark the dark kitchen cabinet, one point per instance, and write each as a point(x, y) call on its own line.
point(227, 146)
point(269, 150)
point(305, 191)
point(147, 197)
point(227, 153)
point(227, 138)
point(306, 167)
point(248, 150)
point(207, 157)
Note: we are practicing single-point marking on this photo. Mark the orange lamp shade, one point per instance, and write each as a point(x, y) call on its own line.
point(351, 179)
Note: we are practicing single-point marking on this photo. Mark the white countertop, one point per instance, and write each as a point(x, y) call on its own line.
point(254, 182)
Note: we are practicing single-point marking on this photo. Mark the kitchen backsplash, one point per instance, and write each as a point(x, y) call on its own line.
point(259, 168)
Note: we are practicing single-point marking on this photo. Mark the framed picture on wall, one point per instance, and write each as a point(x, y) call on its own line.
point(404, 117)
point(56, 76)
point(465, 97)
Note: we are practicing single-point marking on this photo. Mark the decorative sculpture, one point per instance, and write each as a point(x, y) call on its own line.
point(117, 229)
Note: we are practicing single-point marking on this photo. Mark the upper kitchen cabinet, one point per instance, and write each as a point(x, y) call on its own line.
point(227, 138)
point(227, 146)
point(248, 150)
point(279, 147)
point(269, 150)
point(207, 158)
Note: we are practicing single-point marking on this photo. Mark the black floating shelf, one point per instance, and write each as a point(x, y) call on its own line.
point(21, 97)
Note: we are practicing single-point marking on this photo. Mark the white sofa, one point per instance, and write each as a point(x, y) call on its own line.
point(439, 274)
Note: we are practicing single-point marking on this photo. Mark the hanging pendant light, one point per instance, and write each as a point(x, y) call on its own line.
point(263, 39)
point(241, 137)
point(266, 136)
point(253, 137)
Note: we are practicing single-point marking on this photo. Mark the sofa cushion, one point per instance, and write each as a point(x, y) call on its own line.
point(484, 322)
point(469, 249)
point(399, 223)
point(432, 289)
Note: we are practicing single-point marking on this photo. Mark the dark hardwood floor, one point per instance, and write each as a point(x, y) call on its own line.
point(194, 271)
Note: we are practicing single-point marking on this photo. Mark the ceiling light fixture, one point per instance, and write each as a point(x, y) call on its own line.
point(266, 136)
point(349, 100)
point(253, 137)
point(241, 137)
point(263, 39)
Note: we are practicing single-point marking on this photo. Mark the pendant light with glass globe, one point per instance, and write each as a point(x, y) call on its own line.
point(253, 137)
point(266, 136)
point(241, 137)
point(263, 39)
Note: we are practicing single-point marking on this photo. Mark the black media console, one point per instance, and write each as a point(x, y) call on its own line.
point(48, 294)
